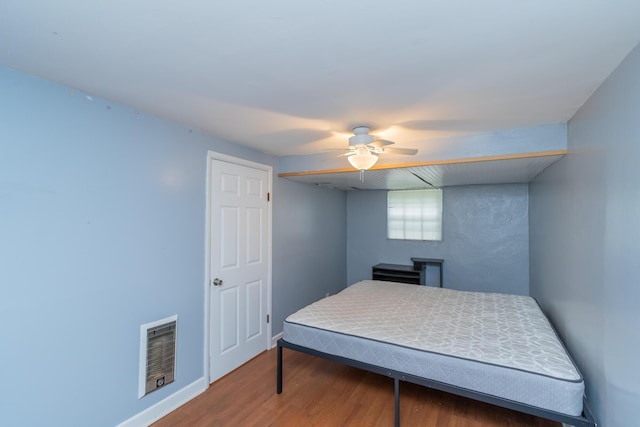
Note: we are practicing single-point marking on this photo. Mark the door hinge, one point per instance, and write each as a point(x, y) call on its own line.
point(268, 197)
point(267, 318)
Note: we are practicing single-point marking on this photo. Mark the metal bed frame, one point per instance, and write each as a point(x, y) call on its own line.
point(585, 420)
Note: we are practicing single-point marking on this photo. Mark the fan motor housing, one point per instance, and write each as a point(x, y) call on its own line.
point(361, 136)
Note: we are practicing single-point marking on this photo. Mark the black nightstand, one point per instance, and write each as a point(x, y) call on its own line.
point(424, 263)
point(414, 274)
point(397, 273)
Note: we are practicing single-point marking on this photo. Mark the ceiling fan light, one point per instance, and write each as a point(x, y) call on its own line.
point(363, 161)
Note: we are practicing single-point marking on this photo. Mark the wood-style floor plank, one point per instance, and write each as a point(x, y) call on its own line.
point(322, 393)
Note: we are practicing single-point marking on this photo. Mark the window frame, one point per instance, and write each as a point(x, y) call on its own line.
point(413, 223)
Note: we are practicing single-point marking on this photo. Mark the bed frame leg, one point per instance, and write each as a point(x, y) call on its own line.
point(279, 374)
point(396, 382)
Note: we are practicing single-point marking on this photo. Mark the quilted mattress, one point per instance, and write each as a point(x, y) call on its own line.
point(498, 344)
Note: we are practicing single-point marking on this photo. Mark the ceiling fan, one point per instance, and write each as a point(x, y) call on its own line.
point(364, 149)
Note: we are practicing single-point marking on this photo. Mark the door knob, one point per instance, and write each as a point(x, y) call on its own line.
point(217, 282)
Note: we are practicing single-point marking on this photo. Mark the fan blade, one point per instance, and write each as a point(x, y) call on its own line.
point(405, 151)
point(379, 143)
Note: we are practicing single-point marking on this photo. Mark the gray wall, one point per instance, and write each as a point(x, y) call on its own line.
point(310, 246)
point(102, 229)
point(585, 244)
point(485, 242)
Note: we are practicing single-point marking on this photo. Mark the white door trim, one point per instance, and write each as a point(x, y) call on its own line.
point(212, 155)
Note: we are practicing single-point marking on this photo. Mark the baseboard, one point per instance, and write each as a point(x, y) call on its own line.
point(274, 340)
point(173, 402)
point(170, 403)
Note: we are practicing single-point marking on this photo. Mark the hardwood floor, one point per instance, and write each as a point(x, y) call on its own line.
point(322, 393)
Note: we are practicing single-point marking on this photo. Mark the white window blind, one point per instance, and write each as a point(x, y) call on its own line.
point(414, 214)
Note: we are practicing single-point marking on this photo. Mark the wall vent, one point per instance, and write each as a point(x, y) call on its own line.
point(157, 355)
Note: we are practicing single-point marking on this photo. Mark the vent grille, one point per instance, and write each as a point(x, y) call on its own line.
point(161, 356)
point(158, 355)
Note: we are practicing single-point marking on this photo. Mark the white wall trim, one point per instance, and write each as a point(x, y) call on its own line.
point(167, 405)
point(274, 340)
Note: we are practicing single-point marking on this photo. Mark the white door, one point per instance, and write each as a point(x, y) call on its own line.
point(239, 265)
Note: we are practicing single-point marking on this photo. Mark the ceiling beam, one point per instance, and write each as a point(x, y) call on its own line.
point(433, 163)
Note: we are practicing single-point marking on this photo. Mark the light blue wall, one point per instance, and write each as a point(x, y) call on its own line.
point(102, 229)
point(311, 223)
point(485, 241)
point(585, 244)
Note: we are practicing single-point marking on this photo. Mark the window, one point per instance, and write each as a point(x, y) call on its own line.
point(414, 214)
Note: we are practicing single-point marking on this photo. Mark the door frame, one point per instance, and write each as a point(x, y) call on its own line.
point(212, 155)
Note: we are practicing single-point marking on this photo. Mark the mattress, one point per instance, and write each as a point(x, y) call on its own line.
point(497, 344)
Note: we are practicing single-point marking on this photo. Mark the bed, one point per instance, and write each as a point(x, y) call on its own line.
point(496, 348)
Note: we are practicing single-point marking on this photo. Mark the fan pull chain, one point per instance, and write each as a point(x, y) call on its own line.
point(361, 175)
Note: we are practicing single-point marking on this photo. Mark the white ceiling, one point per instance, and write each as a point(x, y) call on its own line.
point(292, 77)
